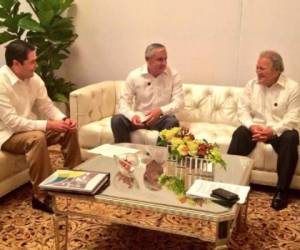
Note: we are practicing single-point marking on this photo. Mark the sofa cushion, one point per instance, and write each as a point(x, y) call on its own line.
point(95, 133)
point(12, 164)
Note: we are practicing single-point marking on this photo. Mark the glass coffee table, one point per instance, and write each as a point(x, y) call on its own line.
point(130, 200)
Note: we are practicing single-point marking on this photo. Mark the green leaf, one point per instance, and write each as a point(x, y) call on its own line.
point(62, 23)
point(3, 13)
point(5, 37)
point(63, 36)
point(15, 9)
point(30, 24)
point(45, 16)
point(12, 24)
point(66, 4)
point(60, 98)
point(7, 4)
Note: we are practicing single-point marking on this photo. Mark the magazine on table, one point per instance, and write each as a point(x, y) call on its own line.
point(203, 188)
point(76, 181)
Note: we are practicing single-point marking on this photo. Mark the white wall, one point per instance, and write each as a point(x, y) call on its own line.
point(212, 42)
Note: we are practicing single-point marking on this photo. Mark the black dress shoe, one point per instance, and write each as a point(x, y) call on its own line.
point(280, 200)
point(45, 206)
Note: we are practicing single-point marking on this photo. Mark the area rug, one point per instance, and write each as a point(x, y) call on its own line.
point(21, 227)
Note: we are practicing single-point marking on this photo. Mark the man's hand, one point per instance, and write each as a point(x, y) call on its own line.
point(261, 133)
point(71, 123)
point(56, 125)
point(61, 125)
point(136, 121)
point(153, 115)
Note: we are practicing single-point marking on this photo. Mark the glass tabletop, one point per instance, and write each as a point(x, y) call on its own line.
point(135, 189)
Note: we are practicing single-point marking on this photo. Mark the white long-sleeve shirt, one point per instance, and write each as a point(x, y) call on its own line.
point(144, 92)
point(277, 106)
point(17, 100)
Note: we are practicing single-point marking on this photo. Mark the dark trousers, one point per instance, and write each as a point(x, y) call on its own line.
point(121, 126)
point(285, 145)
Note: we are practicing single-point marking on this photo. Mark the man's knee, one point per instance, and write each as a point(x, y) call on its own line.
point(117, 120)
point(37, 138)
point(241, 131)
point(290, 137)
point(171, 122)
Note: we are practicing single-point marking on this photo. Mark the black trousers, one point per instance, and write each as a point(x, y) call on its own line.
point(122, 126)
point(285, 145)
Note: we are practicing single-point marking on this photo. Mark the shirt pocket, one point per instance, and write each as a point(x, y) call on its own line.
point(279, 108)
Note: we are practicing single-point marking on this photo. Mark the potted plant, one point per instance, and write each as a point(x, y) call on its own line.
point(49, 31)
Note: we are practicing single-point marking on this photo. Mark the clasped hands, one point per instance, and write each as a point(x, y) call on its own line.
point(151, 116)
point(261, 133)
point(64, 125)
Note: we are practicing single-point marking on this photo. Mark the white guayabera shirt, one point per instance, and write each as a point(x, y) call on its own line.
point(17, 100)
point(277, 106)
point(144, 92)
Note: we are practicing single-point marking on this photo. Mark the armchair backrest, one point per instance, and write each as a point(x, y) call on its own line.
point(93, 102)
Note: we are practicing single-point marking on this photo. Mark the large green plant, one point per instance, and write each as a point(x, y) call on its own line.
point(49, 31)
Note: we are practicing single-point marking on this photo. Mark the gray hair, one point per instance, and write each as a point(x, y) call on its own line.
point(150, 48)
point(275, 58)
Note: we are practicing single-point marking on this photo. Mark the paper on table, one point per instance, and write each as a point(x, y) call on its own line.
point(111, 150)
point(202, 188)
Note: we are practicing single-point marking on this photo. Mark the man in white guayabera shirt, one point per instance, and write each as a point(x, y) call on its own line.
point(21, 92)
point(269, 113)
point(153, 93)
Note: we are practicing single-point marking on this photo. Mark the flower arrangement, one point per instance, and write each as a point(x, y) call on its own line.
point(182, 143)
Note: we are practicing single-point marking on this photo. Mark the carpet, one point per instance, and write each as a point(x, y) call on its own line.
point(21, 227)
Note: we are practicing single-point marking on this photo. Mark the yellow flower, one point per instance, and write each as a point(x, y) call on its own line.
point(168, 134)
point(175, 141)
point(183, 150)
point(193, 147)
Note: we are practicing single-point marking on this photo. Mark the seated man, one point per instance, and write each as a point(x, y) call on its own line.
point(153, 93)
point(269, 113)
point(21, 90)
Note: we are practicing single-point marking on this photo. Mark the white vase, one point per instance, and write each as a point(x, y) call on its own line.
point(194, 165)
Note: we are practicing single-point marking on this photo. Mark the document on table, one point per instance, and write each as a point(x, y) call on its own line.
point(203, 189)
point(111, 150)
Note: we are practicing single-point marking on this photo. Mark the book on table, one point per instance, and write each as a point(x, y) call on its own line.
point(76, 181)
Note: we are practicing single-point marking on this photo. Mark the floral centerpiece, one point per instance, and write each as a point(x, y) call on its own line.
point(182, 143)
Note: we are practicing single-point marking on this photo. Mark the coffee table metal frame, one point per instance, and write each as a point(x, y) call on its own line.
point(213, 228)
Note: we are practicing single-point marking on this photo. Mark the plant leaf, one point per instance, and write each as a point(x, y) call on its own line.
point(3, 13)
point(5, 37)
point(7, 4)
point(28, 23)
point(45, 16)
point(60, 98)
point(66, 4)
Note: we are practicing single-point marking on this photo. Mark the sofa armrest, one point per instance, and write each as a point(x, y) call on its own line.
point(93, 102)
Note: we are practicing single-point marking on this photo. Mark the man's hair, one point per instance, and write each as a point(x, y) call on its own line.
point(151, 47)
point(17, 50)
point(276, 59)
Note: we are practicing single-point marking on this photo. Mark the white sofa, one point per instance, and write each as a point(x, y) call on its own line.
point(14, 172)
point(209, 111)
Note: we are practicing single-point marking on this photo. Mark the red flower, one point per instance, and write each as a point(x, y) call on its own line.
point(202, 149)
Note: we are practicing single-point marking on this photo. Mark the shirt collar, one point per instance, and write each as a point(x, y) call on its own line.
point(146, 72)
point(11, 75)
point(281, 80)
